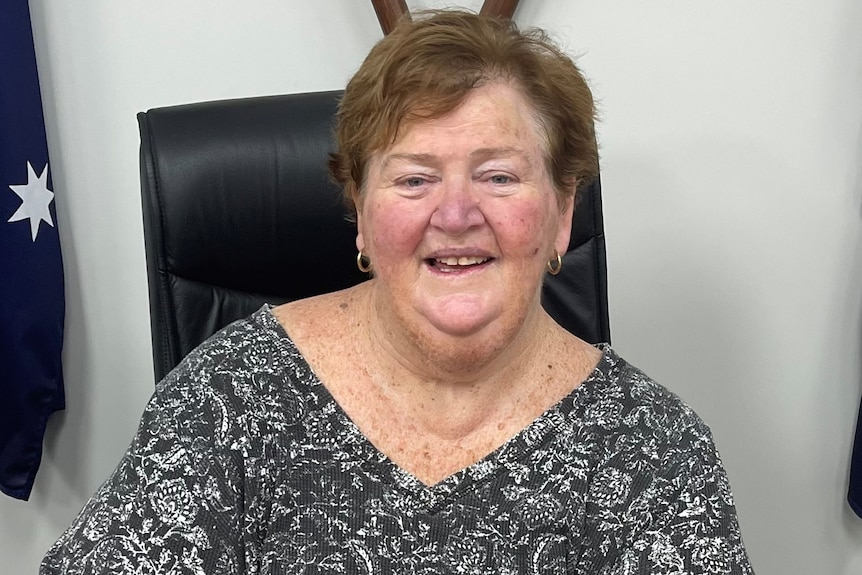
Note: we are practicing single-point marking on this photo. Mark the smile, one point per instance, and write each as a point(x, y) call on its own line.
point(454, 264)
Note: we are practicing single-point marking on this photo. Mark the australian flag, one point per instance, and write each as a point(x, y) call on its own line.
point(31, 269)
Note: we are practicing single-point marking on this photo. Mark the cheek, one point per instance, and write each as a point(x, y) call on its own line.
point(528, 230)
point(390, 232)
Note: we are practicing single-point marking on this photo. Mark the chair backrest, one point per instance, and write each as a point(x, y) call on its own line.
point(239, 210)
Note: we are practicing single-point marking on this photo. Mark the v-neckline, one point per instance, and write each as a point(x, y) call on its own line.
point(376, 463)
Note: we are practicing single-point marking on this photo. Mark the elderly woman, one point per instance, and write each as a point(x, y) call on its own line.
point(433, 419)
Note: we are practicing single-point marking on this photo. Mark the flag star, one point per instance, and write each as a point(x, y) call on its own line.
point(36, 197)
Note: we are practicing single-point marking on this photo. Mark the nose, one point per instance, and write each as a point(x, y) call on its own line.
point(458, 210)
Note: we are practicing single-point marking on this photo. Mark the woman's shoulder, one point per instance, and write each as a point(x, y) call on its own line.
point(248, 363)
point(257, 361)
point(657, 482)
point(625, 401)
point(235, 347)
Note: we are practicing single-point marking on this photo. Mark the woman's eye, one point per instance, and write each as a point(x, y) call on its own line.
point(500, 179)
point(414, 181)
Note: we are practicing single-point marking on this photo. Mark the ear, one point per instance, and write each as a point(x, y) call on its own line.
point(564, 226)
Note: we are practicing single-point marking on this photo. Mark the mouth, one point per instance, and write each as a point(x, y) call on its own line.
point(460, 263)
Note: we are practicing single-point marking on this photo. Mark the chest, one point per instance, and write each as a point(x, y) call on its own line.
point(402, 434)
point(337, 504)
point(432, 439)
point(368, 517)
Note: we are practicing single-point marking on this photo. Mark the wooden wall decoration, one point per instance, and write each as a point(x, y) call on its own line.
point(390, 11)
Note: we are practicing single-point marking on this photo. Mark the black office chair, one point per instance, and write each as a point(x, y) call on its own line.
point(239, 210)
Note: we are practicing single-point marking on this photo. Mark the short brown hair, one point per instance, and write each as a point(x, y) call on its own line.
point(428, 65)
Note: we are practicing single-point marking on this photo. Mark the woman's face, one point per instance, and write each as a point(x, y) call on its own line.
point(459, 218)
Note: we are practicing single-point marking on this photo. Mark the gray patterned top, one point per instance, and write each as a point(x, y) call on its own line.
point(244, 464)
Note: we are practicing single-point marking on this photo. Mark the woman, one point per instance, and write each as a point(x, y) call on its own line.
point(433, 419)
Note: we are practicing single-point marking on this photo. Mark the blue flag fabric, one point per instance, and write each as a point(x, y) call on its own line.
point(31, 270)
point(854, 493)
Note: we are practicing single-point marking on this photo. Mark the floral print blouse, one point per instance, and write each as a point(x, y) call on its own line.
point(244, 464)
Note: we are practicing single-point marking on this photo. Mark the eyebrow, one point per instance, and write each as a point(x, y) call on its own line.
point(480, 154)
point(424, 159)
point(485, 153)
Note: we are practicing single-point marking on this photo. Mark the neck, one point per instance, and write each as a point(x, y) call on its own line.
point(453, 384)
point(440, 358)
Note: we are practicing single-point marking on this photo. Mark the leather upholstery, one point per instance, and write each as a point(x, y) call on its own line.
point(239, 210)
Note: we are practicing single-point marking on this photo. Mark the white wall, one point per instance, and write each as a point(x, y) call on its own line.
point(732, 168)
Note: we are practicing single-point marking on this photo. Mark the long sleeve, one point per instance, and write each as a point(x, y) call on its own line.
point(659, 500)
point(174, 503)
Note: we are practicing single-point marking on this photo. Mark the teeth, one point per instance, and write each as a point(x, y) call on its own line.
point(462, 261)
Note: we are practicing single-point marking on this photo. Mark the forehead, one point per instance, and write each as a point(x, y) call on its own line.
point(492, 116)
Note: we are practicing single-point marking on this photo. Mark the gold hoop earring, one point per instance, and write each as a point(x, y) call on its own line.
point(552, 269)
point(361, 260)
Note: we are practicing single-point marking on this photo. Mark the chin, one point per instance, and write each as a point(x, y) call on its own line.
point(459, 329)
point(462, 316)
point(465, 343)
